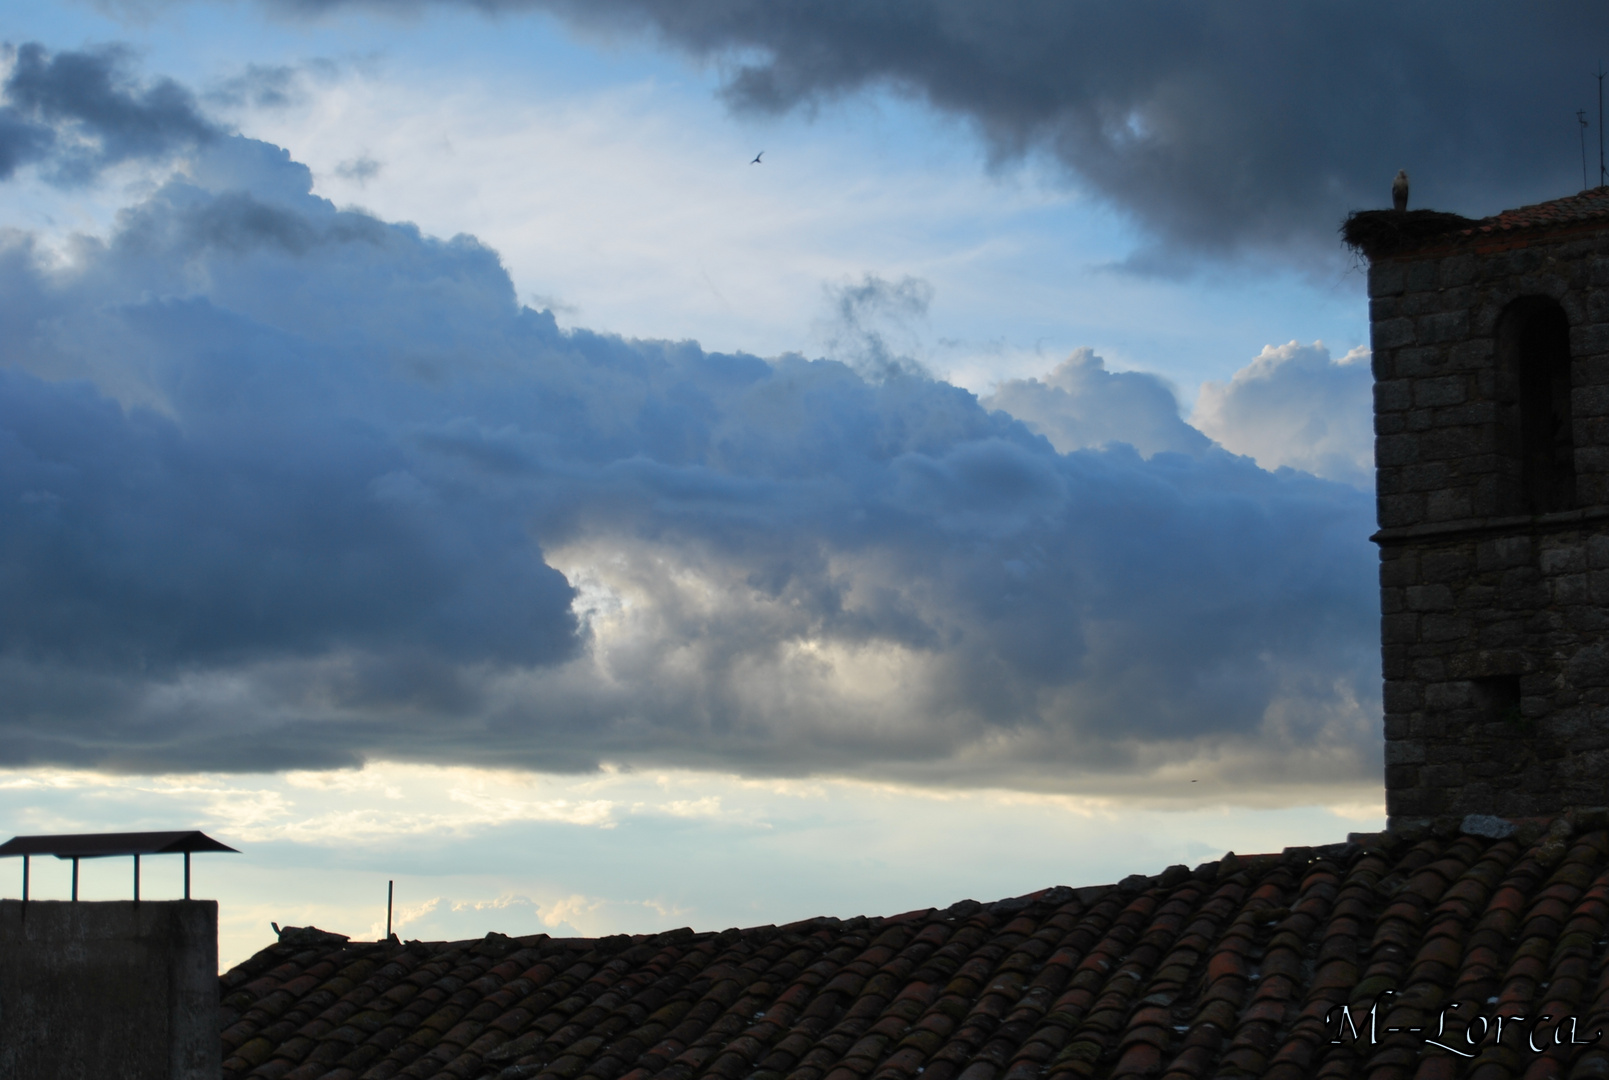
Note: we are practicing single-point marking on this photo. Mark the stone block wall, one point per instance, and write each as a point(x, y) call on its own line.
point(1496, 674)
point(1495, 623)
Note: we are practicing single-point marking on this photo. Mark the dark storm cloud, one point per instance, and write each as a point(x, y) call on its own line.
point(75, 113)
point(1215, 125)
point(137, 544)
point(1253, 125)
point(286, 485)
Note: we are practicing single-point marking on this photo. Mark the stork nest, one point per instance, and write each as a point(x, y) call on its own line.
point(1386, 232)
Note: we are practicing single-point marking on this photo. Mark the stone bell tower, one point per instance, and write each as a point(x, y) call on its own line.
point(1491, 411)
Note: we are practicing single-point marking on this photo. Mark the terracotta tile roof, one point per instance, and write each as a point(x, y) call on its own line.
point(1228, 970)
point(1589, 205)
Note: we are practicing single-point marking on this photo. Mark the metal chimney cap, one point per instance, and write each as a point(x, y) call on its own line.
point(100, 845)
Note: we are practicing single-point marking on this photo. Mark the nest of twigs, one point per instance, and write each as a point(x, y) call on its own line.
point(1385, 232)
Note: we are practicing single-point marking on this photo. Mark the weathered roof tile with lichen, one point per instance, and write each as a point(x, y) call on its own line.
point(1236, 968)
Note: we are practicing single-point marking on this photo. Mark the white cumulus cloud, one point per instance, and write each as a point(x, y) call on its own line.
point(1080, 404)
point(1295, 406)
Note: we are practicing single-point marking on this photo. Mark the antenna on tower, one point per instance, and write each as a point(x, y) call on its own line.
point(1581, 117)
point(1601, 171)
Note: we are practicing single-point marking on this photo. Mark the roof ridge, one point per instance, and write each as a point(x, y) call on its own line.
point(1238, 966)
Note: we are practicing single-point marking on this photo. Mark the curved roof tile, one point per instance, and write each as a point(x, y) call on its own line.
point(1237, 968)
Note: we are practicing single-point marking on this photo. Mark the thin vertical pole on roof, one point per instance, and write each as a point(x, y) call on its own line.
point(187, 875)
point(1581, 118)
point(136, 878)
point(390, 888)
point(1601, 74)
point(75, 877)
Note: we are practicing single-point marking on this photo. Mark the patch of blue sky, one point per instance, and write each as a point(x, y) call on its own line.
point(1024, 267)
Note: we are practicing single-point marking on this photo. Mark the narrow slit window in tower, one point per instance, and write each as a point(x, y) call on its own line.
point(1533, 343)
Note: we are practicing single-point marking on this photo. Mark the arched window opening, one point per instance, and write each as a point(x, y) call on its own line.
point(1533, 355)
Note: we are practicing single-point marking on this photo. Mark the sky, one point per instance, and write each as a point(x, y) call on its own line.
point(435, 450)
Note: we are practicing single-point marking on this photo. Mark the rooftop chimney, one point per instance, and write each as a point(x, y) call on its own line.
point(115, 990)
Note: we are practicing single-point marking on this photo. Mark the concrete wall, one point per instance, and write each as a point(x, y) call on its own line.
point(113, 990)
point(1494, 623)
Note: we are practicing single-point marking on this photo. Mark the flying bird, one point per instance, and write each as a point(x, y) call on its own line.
point(757, 158)
point(1399, 191)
